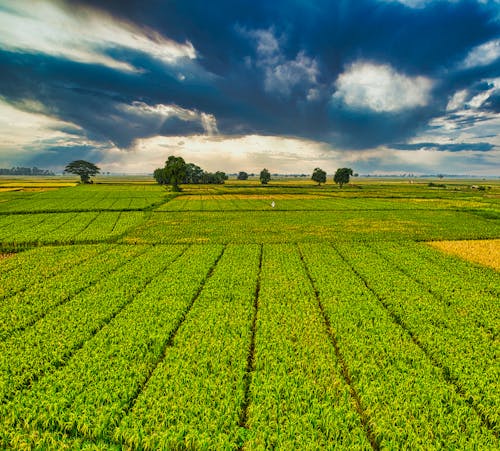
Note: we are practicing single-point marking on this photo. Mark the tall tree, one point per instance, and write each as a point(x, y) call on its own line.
point(341, 177)
point(242, 175)
point(82, 168)
point(173, 173)
point(265, 176)
point(319, 176)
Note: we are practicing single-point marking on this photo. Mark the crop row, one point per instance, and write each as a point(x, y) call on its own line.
point(298, 396)
point(83, 198)
point(252, 347)
point(407, 400)
point(98, 385)
point(299, 226)
point(468, 291)
point(66, 227)
point(314, 203)
point(467, 355)
point(48, 343)
point(34, 266)
point(194, 398)
point(26, 307)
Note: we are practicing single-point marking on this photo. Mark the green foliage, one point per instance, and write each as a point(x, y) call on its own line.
point(341, 176)
point(247, 329)
point(82, 168)
point(173, 173)
point(265, 176)
point(194, 174)
point(218, 178)
point(319, 176)
point(242, 175)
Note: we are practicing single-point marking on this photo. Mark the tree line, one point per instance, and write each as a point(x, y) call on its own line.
point(176, 172)
point(19, 170)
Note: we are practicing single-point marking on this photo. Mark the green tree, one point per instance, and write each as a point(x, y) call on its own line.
point(341, 177)
point(173, 173)
point(82, 168)
point(265, 176)
point(319, 176)
point(242, 175)
point(218, 177)
point(194, 174)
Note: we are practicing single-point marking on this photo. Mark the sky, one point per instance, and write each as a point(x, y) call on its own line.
point(381, 86)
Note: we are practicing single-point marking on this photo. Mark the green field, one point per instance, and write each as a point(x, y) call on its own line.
point(133, 318)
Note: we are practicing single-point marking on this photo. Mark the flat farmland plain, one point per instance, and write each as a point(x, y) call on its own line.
point(132, 318)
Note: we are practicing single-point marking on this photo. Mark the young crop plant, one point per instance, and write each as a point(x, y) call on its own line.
point(102, 380)
point(194, 398)
point(49, 342)
point(25, 308)
point(406, 399)
point(298, 397)
point(466, 355)
point(27, 269)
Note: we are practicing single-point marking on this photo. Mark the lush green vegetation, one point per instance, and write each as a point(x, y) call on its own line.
point(132, 317)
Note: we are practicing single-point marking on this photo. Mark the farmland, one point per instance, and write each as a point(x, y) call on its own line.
point(134, 318)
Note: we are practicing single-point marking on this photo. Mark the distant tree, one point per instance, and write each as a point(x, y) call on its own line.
point(319, 176)
point(173, 173)
point(218, 177)
point(82, 168)
point(242, 175)
point(264, 176)
point(341, 177)
point(194, 174)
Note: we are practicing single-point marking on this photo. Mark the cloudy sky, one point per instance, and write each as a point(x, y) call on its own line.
point(382, 86)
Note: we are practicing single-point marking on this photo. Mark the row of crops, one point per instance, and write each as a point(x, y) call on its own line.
point(248, 346)
point(288, 202)
point(83, 198)
point(66, 227)
point(298, 226)
point(241, 227)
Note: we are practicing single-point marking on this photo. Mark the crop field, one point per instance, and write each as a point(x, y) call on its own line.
point(133, 318)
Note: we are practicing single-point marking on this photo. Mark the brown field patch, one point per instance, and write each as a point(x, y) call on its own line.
point(484, 252)
point(3, 256)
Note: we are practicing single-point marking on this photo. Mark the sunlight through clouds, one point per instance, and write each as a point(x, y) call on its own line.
point(45, 27)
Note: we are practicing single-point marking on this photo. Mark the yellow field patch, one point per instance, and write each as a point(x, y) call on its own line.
point(484, 252)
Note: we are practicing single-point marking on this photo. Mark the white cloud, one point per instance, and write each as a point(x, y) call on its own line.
point(458, 100)
point(282, 75)
point(87, 37)
point(156, 115)
point(209, 124)
point(23, 132)
point(483, 54)
point(380, 88)
point(282, 78)
point(419, 3)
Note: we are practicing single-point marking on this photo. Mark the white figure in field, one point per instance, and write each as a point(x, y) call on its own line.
point(273, 204)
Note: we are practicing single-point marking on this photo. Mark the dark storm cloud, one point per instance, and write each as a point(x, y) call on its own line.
point(285, 90)
point(457, 147)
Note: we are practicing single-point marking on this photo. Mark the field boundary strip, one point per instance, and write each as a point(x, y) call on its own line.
point(250, 367)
